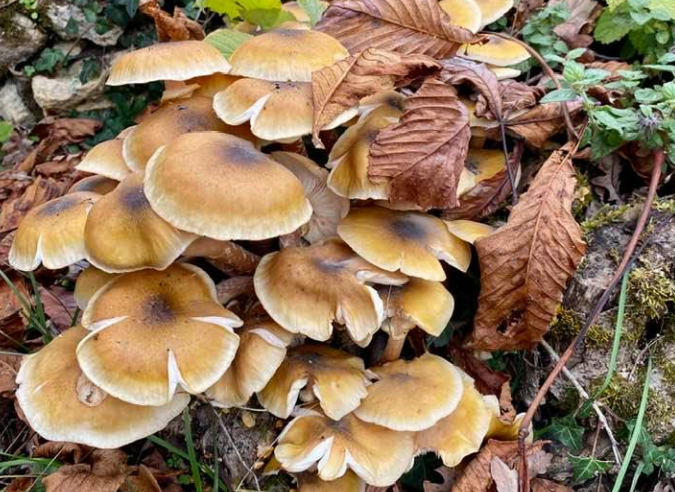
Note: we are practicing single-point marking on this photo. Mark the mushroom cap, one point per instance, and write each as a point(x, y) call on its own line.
point(222, 187)
point(418, 302)
point(505, 72)
point(337, 379)
point(210, 85)
point(460, 433)
point(123, 233)
point(435, 382)
point(88, 282)
point(492, 10)
point(62, 405)
point(262, 349)
point(495, 51)
point(150, 331)
point(94, 184)
point(286, 55)
point(349, 482)
point(178, 60)
point(463, 13)
point(391, 99)
point(376, 454)
point(168, 122)
point(105, 159)
point(306, 289)
point(480, 164)
point(500, 429)
point(411, 242)
point(468, 230)
point(52, 233)
point(328, 208)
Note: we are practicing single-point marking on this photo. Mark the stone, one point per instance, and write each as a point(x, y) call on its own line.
point(20, 38)
point(13, 107)
point(61, 12)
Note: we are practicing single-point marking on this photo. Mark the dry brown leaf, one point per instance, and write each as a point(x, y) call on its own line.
point(142, 481)
point(21, 484)
point(487, 381)
point(458, 70)
point(505, 478)
point(67, 452)
point(178, 27)
point(526, 264)
point(543, 485)
point(59, 304)
point(570, 31)
point(515, 96)
point(16, 207)
point(420, 27)
point(9, 366)
point(422, 156)
point(540, 123)
point(12, 321)
point(448, 476)
point(342, 85)
point(106, 473)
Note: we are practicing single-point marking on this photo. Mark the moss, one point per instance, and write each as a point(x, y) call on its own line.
point(7, 24)
point(582, 195)
point(664, 204)
point(608, 214)
point(568, 324)
point(650, 291)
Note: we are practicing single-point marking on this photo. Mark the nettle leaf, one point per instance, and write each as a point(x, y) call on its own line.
point(587, 467)
point(227, 40)
point(314, 9)
point(566, 431)
point(612, 26)
point(559, 95)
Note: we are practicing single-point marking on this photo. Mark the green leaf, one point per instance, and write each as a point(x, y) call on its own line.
point(573, 71)
point(227, 40)
point(575, 53)
point(6, 129)
point(267, 18)
point(612, 27)
point(90, 68)
point(587, 467)
point(72, 28)
point(230, 8)
point(314, 9)
point(132, 7)
point(566, 431)
point(559, 95)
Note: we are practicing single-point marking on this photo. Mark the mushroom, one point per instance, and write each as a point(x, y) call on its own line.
point(480, 164)
point(409, 242)
point(105, 159)
point(376, 454)
point(502, 428)
point(504, 72)
point(123, 233)
point(210, 85)
point(349, 482)
point(305, 290)
point(61, 404)
point(94, 184)
point(462, 432)
point(52, 233)
point(391, 99)
point(168, 122)
point(228, 257)
point(495, 50)
point(286, 55)
point(222, 187)
point(262, 348)
point(328, 208)
point(337, 379)
point(150, 331)
point(435, 383)
point(493, 10)
point(88, 282)
point(178, 60)
point(463, 13)
point(468, 230)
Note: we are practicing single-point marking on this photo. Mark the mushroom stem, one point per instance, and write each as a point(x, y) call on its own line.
point(291, 240)
point(393, 349)
point(234, 287)
point(226, 256)
point(297, 147)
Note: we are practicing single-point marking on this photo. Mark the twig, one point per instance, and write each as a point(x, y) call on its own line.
point(626, 261)
point(601, 416)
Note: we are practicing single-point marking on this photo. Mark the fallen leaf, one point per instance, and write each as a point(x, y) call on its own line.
point(104, 472)
point(67, 452)
point(55, 132)
point(178, 27)
point(12, 321)
point(579, 16)
point(487, 381)
point(448, 475)
point(525, 264)
point(458, 70)
point(423, 155)
point(342, 85)
point(21, 484)
point(59, 304)
point(607, 183)
point(9, 366)
point(543, 485)
point(142, 481)
point(15, 208)
point(515, 96)
point(541, 122)
point(419, 27)
point(506, 479)
point(524, 9)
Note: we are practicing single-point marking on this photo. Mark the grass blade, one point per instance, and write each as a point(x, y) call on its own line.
point(192, 455)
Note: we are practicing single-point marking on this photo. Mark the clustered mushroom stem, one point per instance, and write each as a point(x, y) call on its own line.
point(234, 287)
point(291, 240)
point(234, 260)
point(393, 349)
point(297, 147)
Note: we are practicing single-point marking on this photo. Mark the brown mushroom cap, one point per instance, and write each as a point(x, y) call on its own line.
point(150, 331)
point(105, 159)
point(328, 208)
point(463, 13)
point(480, 164)
point(435, 382)
point(505, 72)
point(286, 55)
point(178, 60)
point(493, 10)
point(262, 349)
point(411, 242)
point(62, 405)
point(468, 230)
point(495, 51)
point(305, 290)
point(52, 233)
point(220, 186)
point(376, 454)
point(168, 122)
point(462, 432)
point(349, 482)
point(210, 85)
point(123, 233)
point(88, 282)
point(94, 184)
point(337, 379)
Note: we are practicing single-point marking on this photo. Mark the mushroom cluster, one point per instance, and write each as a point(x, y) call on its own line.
point(322, 264)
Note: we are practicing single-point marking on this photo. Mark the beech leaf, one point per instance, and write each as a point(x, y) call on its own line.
point(342, 85)
point(423, 155)
point(526, 264)
point(541, 122)
point(405, 26)
point(458, 70)
point(106, 473)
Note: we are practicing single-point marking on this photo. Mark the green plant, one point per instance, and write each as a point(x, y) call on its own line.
point(33, 311)
point(539, 33)
point(31, 7)
point(47, 61)
point(264, 13)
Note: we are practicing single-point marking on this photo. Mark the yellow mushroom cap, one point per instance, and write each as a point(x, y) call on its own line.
point(468, 230)
point(435, 382)
point(123, 233)
point(150, 331)
point(305, 290)
point(62, 405)
point(286, 55)
point(376, 454)
point(480, 164)
point(504, 72)
point(53, 233)
point(88, 282)
point(328, 208)
point(495, 51)
point(222, 187)
point(105, 159)
point(462, 432)
point(337, 379)
point(411, 242)
point(418, 302)
point(493, 10)
point(94, 184)
point(499, 428)
point(463, 13)
point(349, 482)
point(210, 85)
point(178, 60)
point(262, 349)
point(168, 122)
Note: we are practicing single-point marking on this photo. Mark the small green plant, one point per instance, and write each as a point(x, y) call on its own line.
point(566, 431)
point(47, 62)
point(31, 7)
point(539, 32)
point(264, 13)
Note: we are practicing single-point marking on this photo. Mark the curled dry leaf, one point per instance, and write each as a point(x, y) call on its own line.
point(580, 15)
point(9, 366)
point(342, 85)
point(420, 27)
point(541, 122)
point(459, 70)
point(515, 96)
point(67, 452)
point(105, 472)
point(178, 27)
point(422, 156)
point(526, 264)
point(20, 203)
